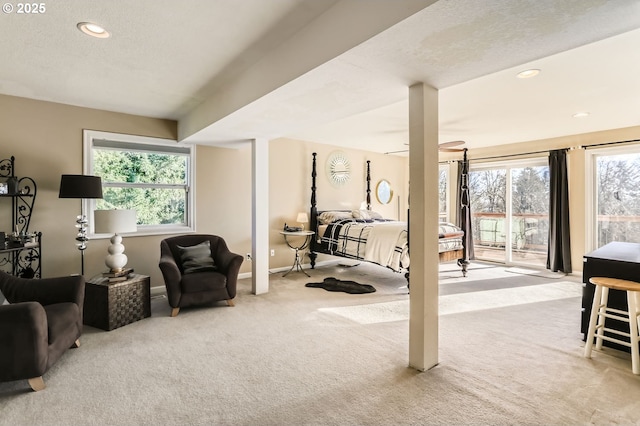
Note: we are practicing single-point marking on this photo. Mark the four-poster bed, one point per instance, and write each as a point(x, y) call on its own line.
point(365, 235)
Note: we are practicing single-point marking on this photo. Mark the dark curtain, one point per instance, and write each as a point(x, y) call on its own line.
point(559, 250)
point(464, 208)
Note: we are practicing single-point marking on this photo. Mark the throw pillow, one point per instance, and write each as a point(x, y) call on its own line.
point(197, 258)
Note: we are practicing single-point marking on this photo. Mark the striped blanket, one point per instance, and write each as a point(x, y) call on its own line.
point(380, 242)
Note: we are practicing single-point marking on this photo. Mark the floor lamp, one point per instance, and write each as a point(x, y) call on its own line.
point(81, 186)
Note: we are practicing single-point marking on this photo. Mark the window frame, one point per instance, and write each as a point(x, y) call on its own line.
point(446, 168)
point(89, 205)
point(591, 187)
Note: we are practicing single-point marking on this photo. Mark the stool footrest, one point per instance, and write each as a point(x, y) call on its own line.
point(601, 313)
point(620, 315)
point(613, 339)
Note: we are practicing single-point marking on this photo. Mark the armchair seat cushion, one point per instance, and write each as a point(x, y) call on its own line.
point(203, 281)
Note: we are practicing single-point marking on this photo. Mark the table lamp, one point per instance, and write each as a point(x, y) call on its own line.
point(81, 186)
point(302, 219)
point(115, 222)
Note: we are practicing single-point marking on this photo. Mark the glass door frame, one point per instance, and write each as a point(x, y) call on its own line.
point(508, 165)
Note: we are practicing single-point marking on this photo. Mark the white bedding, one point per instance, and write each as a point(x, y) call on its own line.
point(351, 239)
point(382, 242)
point(387, 245)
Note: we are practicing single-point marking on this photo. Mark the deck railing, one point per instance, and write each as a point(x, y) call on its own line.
point(529, 231)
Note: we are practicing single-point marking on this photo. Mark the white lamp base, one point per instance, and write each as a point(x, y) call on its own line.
point(116, 260)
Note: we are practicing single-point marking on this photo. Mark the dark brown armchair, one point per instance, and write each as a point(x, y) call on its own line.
point(198, 269)
point(42, 321)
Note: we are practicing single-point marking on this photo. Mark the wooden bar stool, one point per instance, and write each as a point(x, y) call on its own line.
point(600, 311)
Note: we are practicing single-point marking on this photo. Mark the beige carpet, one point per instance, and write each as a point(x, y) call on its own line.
point(305, 356)
point(536, 272)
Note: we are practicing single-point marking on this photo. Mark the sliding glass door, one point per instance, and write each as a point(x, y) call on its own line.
point(510, 211)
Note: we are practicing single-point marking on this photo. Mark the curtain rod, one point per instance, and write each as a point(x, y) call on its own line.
point(495, 156)
point(511, 155)
point(595, 145)
point(608, 143)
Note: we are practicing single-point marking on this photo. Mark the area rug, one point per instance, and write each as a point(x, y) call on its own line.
point(351, 287)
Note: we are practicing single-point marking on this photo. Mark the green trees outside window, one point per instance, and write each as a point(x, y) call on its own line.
point(154, 184)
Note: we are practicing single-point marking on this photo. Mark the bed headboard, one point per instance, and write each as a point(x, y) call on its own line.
point(313, 213)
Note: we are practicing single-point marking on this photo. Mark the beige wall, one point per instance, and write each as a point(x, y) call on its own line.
point(46, 139)
point(290, 187)
point(223, 196)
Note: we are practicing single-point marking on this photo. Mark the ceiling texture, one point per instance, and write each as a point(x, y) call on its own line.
point(335, 71)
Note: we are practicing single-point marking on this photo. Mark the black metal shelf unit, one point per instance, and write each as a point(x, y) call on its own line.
point(20, 250)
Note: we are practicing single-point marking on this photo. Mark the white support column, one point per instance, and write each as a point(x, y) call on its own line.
point(260, 216)
point(423, 226)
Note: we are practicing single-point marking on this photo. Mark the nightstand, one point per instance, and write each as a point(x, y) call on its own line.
point(109, 305)
point(297, 244)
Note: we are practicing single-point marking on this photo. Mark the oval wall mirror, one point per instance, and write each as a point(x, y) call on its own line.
point(384, 193)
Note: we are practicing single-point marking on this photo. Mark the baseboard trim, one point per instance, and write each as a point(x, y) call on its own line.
point(286, 268)
point(158, 291)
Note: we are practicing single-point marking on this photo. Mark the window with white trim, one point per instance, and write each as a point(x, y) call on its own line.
point(614, 176)
point(443, 193)
point(152, 176)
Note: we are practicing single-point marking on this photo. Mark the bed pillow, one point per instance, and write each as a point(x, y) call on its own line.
point(366, 214)
point(3, 300)
point(197, 258)
point(327, 217)
point(360, 214)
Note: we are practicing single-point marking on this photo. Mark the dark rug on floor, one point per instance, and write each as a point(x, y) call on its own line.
point(334, 284)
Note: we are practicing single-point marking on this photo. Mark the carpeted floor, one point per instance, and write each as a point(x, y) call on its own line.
point(509, 355)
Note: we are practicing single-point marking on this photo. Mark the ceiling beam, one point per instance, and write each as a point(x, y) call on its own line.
point(342, 27)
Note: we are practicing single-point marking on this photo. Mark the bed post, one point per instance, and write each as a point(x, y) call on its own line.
point(465, 216)
point(368, 185)
point(406, 275)
point(313, 215)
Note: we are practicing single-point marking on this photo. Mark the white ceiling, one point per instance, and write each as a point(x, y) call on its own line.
point(336, 71)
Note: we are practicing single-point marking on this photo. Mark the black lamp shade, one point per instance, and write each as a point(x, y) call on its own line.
point(80, 186)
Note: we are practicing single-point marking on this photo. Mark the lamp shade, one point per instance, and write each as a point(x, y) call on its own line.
point(114, 221)
point(302, 218)
point(80, 186)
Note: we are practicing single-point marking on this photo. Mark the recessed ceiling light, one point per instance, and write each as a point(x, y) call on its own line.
point(580, 114)
point(94, 30)
point(528, 73)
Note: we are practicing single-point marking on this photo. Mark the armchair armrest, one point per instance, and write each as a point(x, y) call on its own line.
point(23, 341)
point(223, 259)
point(229, 264)
point(46, 291)
point(172, 276)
